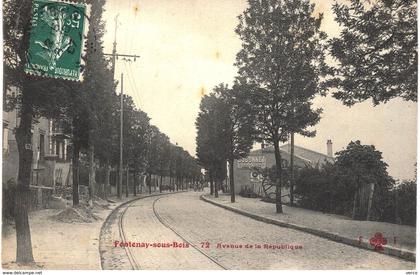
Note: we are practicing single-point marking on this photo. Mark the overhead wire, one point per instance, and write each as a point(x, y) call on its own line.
point(129, 72)
point(136, 89)
point(130, 82)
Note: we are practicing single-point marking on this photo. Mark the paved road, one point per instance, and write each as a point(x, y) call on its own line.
point(197, 221)
point(141, 225)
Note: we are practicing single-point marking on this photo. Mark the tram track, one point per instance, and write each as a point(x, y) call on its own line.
point(183, 237)
point(110, 256)
point(134, 264)
point(113, 258)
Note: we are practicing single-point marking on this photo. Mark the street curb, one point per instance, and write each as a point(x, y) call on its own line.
point(106, 220)
point(388, 250)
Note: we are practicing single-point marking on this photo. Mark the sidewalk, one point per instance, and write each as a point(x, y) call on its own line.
point(335, 227)
point(60, 245)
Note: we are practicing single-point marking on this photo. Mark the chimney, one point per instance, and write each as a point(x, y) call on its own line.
point(329, 148)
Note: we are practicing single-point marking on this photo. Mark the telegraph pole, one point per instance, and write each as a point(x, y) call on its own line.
point(121, 138)
point(115, 56)
point(114, 46)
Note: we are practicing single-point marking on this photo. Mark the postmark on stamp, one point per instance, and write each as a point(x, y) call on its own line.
point(56, 39)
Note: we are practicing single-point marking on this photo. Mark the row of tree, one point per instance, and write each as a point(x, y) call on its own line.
point(224, 133)
point(89, 110)
point(282, 68)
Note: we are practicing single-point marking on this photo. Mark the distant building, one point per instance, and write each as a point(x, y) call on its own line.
point(246, 177)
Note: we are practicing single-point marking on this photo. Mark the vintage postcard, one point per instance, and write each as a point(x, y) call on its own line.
point(209, 135)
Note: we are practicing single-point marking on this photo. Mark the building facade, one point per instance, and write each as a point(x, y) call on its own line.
point(48, 143)
point(247, 171)
point(50, 160)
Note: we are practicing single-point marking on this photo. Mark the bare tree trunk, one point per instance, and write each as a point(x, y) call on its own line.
point(279, 208)
point(91, 174)
point(126, 182)
point(397, 216)
point(150, 183)
point(107, 175)
point(135, 183)
point(141, 184)
point(231, 181)
point(216, 188)
point(160, 185)
point(75, 167)
point(119, 181)
point(353, 216)
point(22, 197)
point(372, 190)
point(211, 183)
point(292, 170)
point(356, 199)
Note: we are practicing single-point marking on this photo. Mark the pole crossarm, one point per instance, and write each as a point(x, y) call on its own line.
point(122, 55)
point(115, 56)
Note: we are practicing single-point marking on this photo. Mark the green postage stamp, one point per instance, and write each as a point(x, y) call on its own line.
point(56, 39)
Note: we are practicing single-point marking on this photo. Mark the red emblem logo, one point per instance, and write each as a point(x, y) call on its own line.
point(378, 241)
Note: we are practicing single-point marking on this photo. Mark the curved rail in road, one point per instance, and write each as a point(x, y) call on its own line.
point(118, 214)
point(134, 264)
point(182, 237)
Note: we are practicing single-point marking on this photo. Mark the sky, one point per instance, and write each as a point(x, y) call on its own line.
point(187, 47)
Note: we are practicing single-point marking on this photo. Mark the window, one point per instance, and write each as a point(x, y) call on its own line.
point(57, 148)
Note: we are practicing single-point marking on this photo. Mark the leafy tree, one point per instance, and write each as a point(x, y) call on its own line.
point(103, 96)
point(163, 143)
point(359, 165)
point(376, 50)
point(280, 65)
point(194, 171)
point(204, 148)
point(98, 94)
point(239, 126)
point(405, 202)
point(171, 168)
point(213, 123)
point(49, 98)
point(181, 166)
point(156, 152)
point(165, 160)
point(319, 188)
point(346, 186)
point(34, 96)
point(135, 141)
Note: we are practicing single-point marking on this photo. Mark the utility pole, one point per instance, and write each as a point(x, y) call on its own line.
point(126, 181)
point(121, 137)
point(114, 46)
point(292, 168)
point(115, 56)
